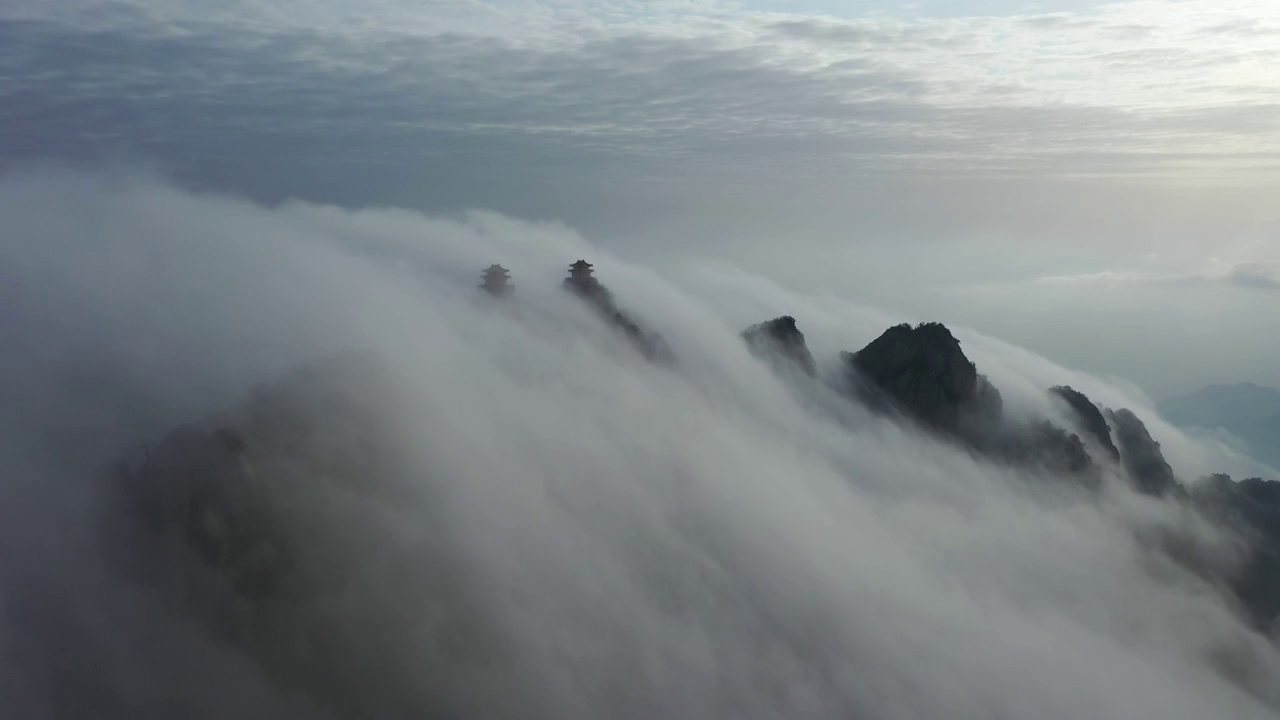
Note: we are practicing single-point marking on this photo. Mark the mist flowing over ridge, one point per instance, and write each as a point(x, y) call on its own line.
point(497, 507)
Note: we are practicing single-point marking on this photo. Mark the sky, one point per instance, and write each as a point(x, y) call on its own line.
point(1093, 181)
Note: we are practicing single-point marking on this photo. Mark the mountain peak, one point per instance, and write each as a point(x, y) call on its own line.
point(924, 370)
point(583, 283)
point(780, 339)
point(1142, 456)
point(1090, 417)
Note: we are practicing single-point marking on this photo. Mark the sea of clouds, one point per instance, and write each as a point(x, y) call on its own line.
point(700, 540)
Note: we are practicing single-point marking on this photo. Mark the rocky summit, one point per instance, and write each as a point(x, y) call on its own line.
point(1251, 508)
point(265, 521)
point(781, 343)
point(923, 371)
point(1090, 418)
point(1141, 454)
point(583, 283)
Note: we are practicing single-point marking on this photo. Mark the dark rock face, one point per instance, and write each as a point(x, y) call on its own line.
point(1056, 449)
point(650, 344)
point(1251, 508)
point(1090, 417)
point(589, 288)
point(924, 371)
point(594, 293)
point(269, 525)
point(1141, 455)
point(780, 342)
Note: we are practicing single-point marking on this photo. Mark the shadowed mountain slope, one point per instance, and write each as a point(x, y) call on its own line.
point(1090, 417)
point(780, 342)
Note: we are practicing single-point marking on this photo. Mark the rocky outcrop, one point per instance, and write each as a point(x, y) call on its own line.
point(650, 344)
point(781, 343)
point(269, 524)
point(923, 371)
point(1250, 508)
point(1052, 448)
point(1141, 455)
point(1089, 417)
point(583, 284)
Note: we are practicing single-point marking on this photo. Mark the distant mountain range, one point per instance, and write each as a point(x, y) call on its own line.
point(1249, 412)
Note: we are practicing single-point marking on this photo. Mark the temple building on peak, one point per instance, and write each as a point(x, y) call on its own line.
point(586, 286)
point(582, 282)
point(581, 277)
point(497, 281)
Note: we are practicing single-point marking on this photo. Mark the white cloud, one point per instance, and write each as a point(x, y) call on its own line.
point(683, 542)
point(1248, 275)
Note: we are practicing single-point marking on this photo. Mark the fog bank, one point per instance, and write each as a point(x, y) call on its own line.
point(695, 540)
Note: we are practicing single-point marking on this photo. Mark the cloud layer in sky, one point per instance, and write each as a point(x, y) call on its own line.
point(901, 158)
point(1246, 275)
point(1149, 88)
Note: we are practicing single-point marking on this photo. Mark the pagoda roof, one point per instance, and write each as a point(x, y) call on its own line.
point(580, 265)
